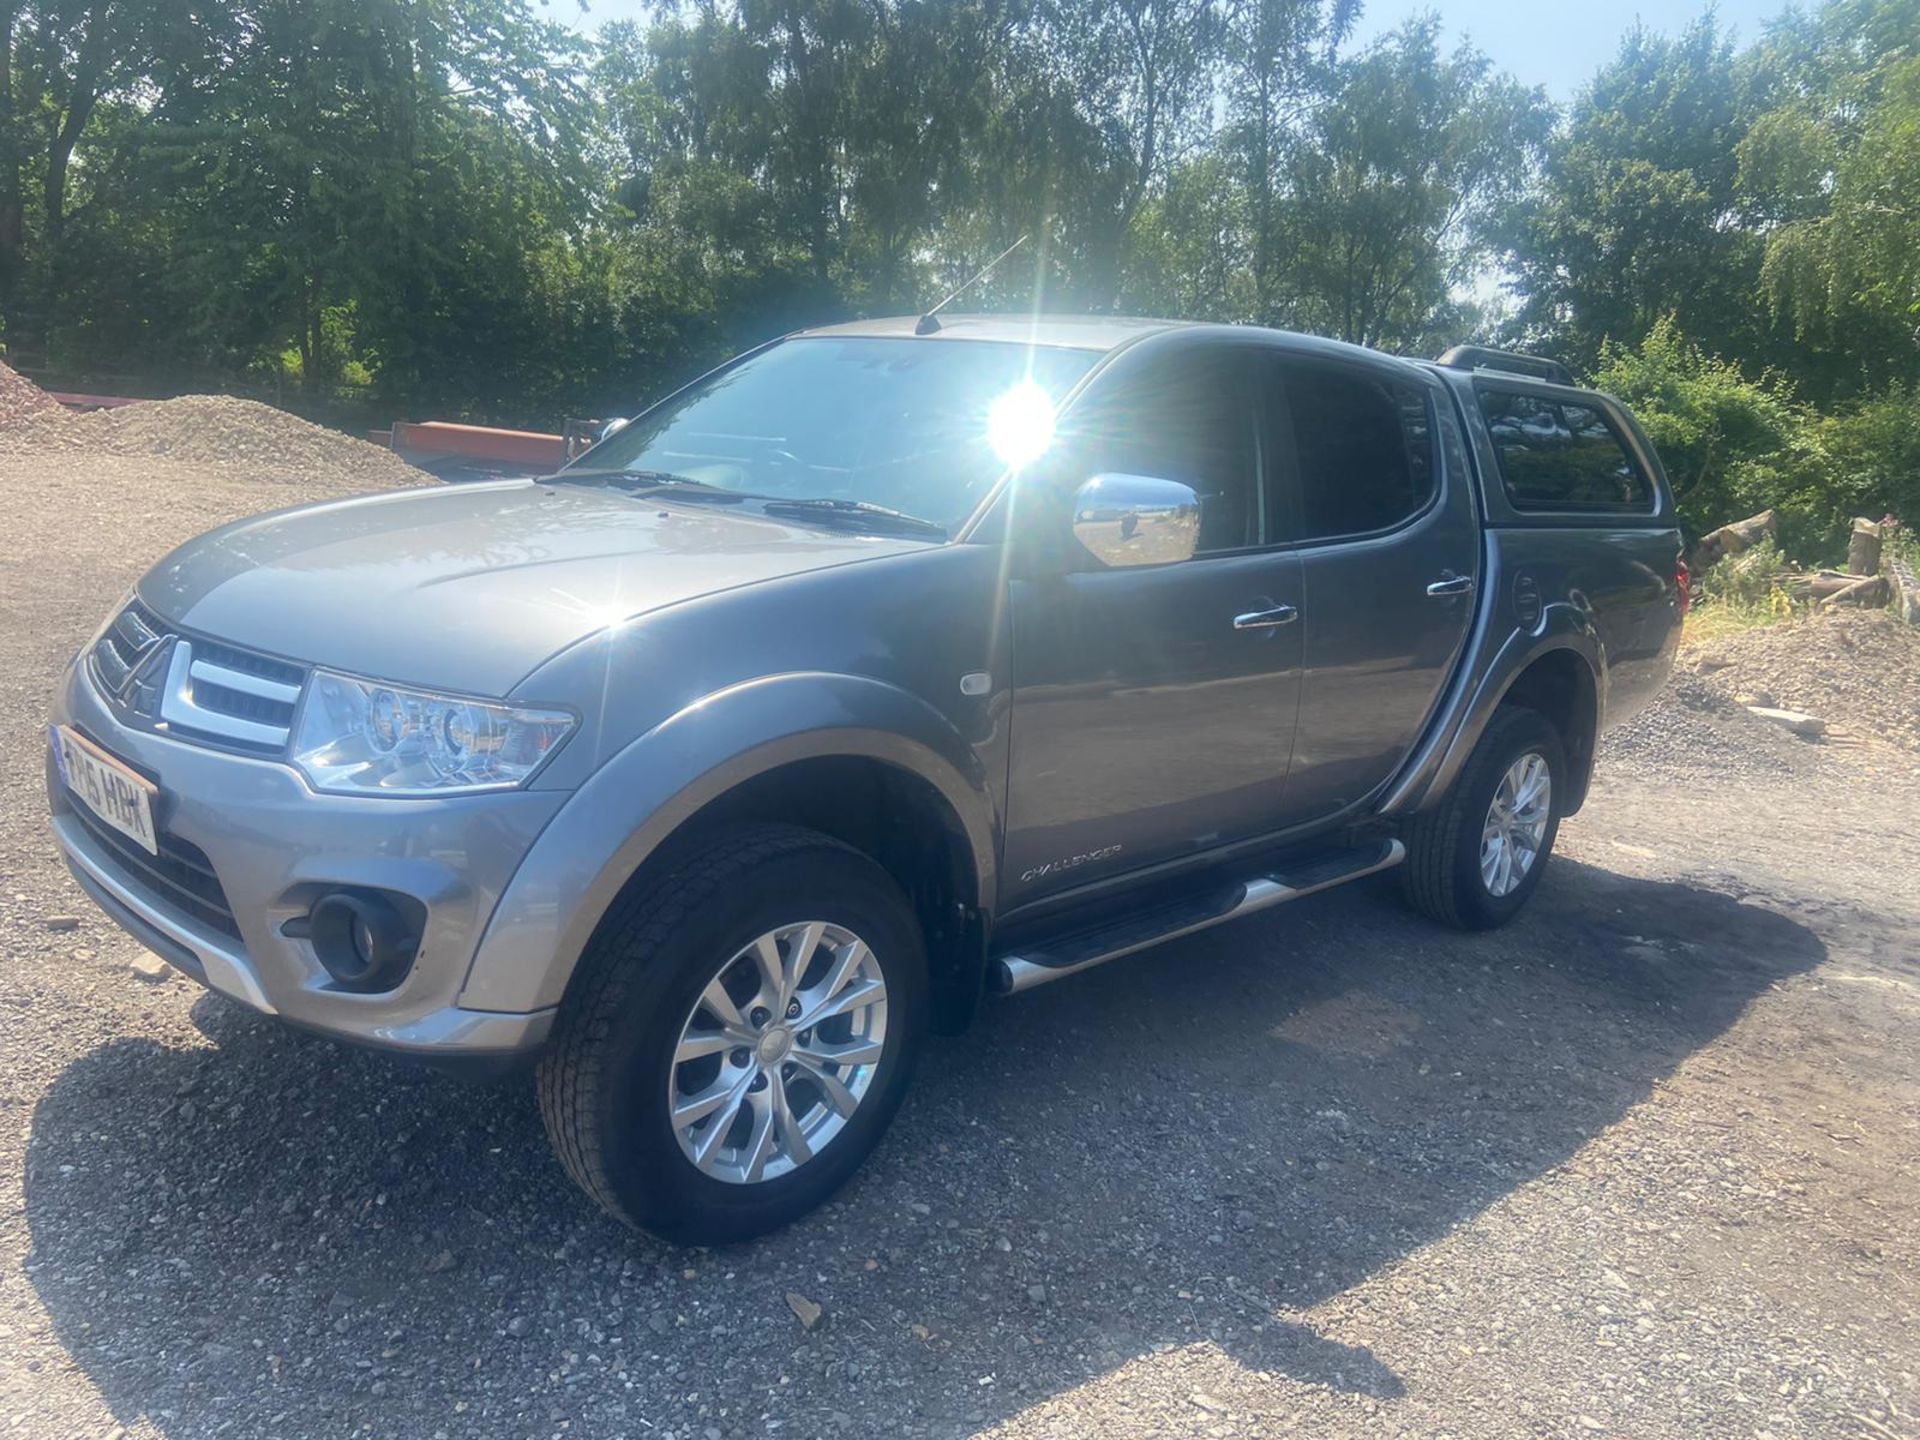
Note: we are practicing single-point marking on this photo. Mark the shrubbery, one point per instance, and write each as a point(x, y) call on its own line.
point(1735, 444)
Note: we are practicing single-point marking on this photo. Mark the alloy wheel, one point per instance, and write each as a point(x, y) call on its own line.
point(1516, 824)
point(778, 1052)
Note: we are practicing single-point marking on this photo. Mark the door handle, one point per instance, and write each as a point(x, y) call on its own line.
point(1451, 585)
point(1266, 619)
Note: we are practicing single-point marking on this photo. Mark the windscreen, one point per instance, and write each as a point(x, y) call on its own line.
point(921, 426)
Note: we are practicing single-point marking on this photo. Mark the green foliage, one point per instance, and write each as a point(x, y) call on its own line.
point(1875, 451)
point(1627, 224)
point(1732, 446)
point(1831, 170)
point(1746, 579)
point(458, 207)
point(1401, 166)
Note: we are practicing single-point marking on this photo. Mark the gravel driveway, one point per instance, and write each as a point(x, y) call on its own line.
point(1640, 1165)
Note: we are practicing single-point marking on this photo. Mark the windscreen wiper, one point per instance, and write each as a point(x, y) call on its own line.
point(855, 511)
point(650, 480)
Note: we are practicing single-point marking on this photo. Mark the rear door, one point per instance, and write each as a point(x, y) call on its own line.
point(1377, 502)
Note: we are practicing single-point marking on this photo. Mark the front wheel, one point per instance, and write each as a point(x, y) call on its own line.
point(743, 1031)
point(1474, 859)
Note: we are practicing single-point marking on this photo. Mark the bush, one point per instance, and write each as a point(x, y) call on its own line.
point(1744, 579)
point(1739, 593)
point(1732, 446)
point(1875, 454)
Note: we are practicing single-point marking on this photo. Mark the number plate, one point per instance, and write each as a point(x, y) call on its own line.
point(109, 789)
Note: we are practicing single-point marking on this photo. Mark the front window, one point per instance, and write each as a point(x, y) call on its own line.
point(925, 427)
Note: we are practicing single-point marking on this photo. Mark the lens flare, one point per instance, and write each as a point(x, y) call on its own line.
point(1020, 425)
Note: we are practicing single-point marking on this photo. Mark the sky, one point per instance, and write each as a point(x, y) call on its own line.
point(1555, 43)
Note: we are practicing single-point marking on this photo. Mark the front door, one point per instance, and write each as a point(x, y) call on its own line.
point(1154, 706)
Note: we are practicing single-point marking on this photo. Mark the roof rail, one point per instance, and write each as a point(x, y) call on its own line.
point(1479, 357)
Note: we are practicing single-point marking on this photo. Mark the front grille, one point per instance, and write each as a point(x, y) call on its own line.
point(180, 875)
point(197, 689)
point(245, 662)
point(124, 644)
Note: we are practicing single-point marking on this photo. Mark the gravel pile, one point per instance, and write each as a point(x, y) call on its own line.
point(1695, 728)
point(1857, 670)
point(215, 432)
point(20, 397)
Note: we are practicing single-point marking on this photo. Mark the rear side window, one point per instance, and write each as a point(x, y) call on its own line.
point(1364, 450)
point(1560, 455)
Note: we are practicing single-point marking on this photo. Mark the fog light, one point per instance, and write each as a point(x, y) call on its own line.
point(363, 940)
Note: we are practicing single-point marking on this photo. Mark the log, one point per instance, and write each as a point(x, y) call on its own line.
point(1732, 539)
point(1816, 586)
point(1863, 548)
point(1906, 590)
point(1868, 590)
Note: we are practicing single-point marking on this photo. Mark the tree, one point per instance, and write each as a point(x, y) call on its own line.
point(1636, 215)
point(1140, 75)
point(1191, 252)
point(68, 68)
point(1832, 170)
point(1277, 57)
point(377, 171)
point(1400, 168)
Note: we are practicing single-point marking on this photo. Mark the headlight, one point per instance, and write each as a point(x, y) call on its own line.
point(362, 737)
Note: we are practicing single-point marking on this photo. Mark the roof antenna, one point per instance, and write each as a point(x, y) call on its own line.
point(927, 324)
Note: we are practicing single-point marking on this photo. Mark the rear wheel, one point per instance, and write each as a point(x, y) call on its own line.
point(1475, 859)
point(742, 1034)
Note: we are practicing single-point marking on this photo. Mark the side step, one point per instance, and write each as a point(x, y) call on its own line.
point(1070, 954)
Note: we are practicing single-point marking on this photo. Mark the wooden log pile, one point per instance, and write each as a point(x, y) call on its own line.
point(1717, 545)
point(1833, 587)
point(1866, 582)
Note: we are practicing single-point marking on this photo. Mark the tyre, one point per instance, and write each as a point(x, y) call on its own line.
point(742, 1031)
point(1475, 859)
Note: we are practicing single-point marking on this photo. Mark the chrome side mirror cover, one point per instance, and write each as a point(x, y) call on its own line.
point(1126, 520)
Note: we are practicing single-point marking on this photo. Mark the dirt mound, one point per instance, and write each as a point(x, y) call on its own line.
point(1857, 670)
point(20, 397)
point(219, 432)
point(1695, 728)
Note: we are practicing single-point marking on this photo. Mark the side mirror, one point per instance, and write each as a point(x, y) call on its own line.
point(1124, 520)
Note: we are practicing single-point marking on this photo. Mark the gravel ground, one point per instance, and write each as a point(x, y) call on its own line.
point(1640, 1165)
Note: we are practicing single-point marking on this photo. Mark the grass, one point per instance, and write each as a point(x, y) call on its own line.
point(1739, 594)
point(1717, 617)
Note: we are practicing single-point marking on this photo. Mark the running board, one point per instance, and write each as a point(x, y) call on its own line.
point(1010, 974)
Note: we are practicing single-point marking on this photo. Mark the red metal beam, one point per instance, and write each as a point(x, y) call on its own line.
point(483, 442)
point(92, 402)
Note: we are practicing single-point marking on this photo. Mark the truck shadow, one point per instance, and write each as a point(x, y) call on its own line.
point(1189, 1148)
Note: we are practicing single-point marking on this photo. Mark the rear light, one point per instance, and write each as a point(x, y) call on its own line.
point(1683, 583)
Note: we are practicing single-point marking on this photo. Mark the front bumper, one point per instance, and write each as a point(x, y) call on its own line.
point(274, 846)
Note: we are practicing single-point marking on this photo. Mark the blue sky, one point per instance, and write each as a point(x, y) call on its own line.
point(1555, 43)
point(1560, 43)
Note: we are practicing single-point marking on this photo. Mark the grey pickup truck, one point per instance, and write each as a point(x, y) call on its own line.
point(887, 667)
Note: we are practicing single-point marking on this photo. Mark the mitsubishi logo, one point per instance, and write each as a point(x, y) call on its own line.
point(133, 663)
point(140, 692)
